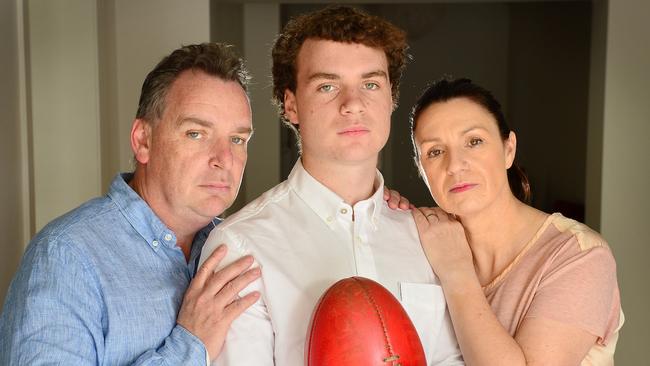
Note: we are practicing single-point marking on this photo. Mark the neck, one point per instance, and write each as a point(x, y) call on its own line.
point(497, 234)
point(352, 182)
point(184, 233)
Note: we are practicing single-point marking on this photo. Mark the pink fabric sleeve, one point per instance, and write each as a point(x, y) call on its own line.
point(580, 289)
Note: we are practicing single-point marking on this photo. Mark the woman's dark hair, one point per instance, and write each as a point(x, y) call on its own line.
point(446, 89)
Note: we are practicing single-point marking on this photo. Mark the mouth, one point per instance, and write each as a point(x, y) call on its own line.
point(216, 187)
point(354, 131)
point(458, 188)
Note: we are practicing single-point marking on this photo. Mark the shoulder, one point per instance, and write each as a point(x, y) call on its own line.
point(256, 210)
point(566, 243)
point(66, 237)
point(252, 218)
point(583, 236)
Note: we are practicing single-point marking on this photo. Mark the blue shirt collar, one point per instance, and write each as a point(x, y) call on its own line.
point(142, 218)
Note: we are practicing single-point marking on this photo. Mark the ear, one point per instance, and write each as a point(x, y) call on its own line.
point(510, 149)
point(290, 108)
point(141, 140)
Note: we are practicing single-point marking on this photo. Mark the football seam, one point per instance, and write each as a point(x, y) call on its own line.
point(381, 318)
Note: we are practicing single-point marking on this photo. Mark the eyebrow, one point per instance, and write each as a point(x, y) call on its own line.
point(471, 128)
point(198, 121)
point(463, 132)
point(207, 124)
point(330, 76)
point(323, 75)
point(376, 73)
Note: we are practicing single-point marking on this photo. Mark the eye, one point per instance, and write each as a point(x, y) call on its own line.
point(434, 153)
point(194, 135)
point(237, 140)
point(475, 141)
point(326, 88)
point(371, 86)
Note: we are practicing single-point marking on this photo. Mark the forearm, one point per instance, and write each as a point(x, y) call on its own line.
point(482, 338)
point(179, 348)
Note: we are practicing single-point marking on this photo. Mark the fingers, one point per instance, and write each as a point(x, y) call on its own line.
point(430, 216)
point(392, 197)
point(404, 203)
point(395, 199)
point(228, 273)
point(230, 292)
point(237, 307)
point(207, 268)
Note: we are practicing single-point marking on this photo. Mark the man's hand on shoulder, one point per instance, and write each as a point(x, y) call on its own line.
point(211, 302)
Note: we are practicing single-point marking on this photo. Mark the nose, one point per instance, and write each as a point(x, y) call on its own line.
point(456, 161)
point(221, 155)
point(352, 101)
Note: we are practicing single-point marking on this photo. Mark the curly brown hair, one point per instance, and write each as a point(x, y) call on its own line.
point(340, 24)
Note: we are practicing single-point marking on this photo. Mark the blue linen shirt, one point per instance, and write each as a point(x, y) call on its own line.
point(102, 285)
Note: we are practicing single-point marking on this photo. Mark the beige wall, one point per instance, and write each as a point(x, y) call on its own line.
point(64, 105)
point(625, 168)
point(13, 191)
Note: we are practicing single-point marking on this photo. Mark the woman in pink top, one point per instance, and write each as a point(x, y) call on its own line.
point(523, 287)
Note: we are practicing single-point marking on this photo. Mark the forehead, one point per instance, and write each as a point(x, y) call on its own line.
point(195, 91)
point(318, 55)
point(456, 114)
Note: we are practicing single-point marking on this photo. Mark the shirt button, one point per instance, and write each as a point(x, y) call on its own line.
point(155, 243)
point(344, 211)
point(168, 237)
point(329, 218)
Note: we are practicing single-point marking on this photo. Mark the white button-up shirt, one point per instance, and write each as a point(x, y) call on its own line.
point(305, 238)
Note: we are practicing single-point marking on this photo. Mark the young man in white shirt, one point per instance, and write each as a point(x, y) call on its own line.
point(336, 75)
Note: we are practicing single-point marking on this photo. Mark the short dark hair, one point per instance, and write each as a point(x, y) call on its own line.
point(215, 59)
point(448, 88)
point(339, 24)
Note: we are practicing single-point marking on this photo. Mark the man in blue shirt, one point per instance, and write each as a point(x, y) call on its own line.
point(110, 283)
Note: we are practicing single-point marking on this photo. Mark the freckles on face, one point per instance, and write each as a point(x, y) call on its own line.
point(342, 103)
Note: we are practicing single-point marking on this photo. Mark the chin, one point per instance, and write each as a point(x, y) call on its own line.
point(217, 207)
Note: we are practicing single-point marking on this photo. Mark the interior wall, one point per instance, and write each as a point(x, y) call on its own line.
point(144, 32)
point(11, 162)
point(64, 105)
point(625, 170)
point(548, 77)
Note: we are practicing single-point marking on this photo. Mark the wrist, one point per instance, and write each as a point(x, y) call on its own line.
point(458, 278)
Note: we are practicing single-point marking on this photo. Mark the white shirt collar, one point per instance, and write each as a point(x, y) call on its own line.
point(327, 204)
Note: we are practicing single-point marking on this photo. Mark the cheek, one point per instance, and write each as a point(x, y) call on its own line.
point(434, 181)
point(240, 159)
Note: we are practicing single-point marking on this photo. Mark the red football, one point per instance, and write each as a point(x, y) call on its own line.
point(358, 322)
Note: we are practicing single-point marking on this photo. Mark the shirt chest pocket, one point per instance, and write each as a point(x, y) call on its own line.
point(425, 304)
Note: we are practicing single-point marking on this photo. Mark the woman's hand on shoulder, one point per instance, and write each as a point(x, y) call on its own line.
point(444, 242)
